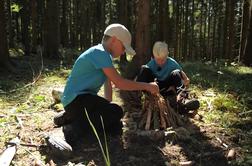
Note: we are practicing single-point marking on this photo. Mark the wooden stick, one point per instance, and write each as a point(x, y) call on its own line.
point(161, 105)
point(156, 120)
point(143, 120)
point(186, 163)
point(162, 119)
point(221, 142)
point(147, 125)
point(20, 122)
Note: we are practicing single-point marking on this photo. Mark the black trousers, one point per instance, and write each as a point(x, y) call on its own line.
point(96, 108)
point(175, 80)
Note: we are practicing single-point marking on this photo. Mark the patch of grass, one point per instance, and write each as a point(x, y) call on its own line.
point(225, 94)
point(39, 98)
point(223, 78)
point(22, 108)
point(227, 103)
point(224, 119)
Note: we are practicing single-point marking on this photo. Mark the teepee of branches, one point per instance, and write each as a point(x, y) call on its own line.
point(158, 114)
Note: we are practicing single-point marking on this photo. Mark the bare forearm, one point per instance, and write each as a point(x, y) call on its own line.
point(125, 84)
point(185, 78)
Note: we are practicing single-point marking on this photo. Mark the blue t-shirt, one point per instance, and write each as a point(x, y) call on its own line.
point(166, 69)
point(87, 75)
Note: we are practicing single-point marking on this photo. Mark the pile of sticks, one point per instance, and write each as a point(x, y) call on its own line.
point(158, 114)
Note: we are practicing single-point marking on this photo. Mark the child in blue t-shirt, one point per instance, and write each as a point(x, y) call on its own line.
point(91, 70)
point(168, 74)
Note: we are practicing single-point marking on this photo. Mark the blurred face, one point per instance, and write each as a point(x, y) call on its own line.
point(117, 48)
point(160, 60)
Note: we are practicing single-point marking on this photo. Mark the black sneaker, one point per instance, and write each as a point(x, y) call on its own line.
point(61, 119)
point(185, 106)
point(192, 104)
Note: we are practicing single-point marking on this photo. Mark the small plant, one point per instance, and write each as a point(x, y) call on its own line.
point(105, 154)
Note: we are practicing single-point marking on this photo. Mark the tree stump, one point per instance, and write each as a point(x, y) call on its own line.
point(158, 114)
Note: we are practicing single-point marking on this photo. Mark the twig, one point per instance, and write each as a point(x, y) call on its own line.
point(247, 112)
point(28, 145)
point(148, 121)
point(20, 122)
point(221, 142)
point(156, 120)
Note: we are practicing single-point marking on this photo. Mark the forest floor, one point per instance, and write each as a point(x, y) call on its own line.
point(223, 122)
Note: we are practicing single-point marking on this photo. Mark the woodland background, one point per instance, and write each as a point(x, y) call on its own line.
point(211, 39)
point(202, 30)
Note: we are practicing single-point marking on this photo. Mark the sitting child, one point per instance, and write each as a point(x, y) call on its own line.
point(170, 77)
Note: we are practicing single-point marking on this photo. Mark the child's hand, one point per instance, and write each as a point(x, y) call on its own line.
point(186, 82)
point(154, 89)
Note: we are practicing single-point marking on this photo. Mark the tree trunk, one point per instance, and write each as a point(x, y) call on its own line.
point(51, 36)
point(41, 21)
point(201, 30)
point(205, 17)
point(247, 60)
point(17, 26)
point(244, 28)
point(85, 24)
point(229, 38)
point(163, 17)
point(142, 38)
point(209, 11)
point(191, 37)
point(220, 31)
point(122, 8)
point(63, 25)
point(10, 29)
point(177, 29)
point(34, 25)
point(213, 49)
point(185, 39)
point(25, 21)
point(4, 53)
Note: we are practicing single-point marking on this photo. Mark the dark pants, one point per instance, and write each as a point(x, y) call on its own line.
point(174, 79)
point(96, 108)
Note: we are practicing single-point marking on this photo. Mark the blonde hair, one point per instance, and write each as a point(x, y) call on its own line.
point(160, 49)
